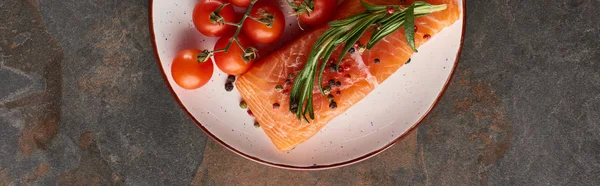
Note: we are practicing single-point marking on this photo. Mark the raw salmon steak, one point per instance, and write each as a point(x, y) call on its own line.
point(358, 74)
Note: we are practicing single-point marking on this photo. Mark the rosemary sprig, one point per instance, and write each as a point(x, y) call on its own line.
point(386, 19)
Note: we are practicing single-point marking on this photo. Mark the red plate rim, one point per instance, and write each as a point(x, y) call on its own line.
point(317, 167)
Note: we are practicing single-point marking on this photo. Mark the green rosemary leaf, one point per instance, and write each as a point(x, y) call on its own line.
point(383, 32)
point(349, 31)
point(409, 26)
point(355, 35)
point(347, 20)
point(371, 7)
point(394, 17)
point(324, 65)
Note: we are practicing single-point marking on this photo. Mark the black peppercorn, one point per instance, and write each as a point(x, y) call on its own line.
point(231, 78)
point(377, 60)
point(331, 82)
point(333, 67)
point(228, 86)
point(288, 81)
point(333, 105)
point(407, 62)
point(351, 51)
point(294, 107)
point(330, 98)
point(326, 89)
point(276, 105)
point(256, 124)
point(338, 83)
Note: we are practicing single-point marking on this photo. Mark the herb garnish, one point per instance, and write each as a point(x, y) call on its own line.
point(348, 31)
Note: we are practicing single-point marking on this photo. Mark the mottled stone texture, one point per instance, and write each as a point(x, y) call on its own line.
point(82, 102)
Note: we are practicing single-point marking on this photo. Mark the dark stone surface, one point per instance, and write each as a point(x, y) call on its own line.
point(82, 102)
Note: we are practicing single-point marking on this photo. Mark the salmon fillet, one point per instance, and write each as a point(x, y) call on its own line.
point(358, 77)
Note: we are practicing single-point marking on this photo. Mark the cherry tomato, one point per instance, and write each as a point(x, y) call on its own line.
point(188, 72)
point(232, 62)
point(208, 27)
point(259, 32)
point(240, 3)
point(321, 12)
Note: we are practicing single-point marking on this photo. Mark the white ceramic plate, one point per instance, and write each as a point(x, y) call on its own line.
point(378, 121)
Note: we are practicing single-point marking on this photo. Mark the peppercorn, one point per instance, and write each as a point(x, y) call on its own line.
point(330, 98)
point(338, 83)
point(377, 60)
point(352, 50)
point(243, 104)
point(294, 107)
point(426, 36)
point(346, 67)
point(332, 67)
point(276, 105)
point(407, 62)
point(278, 88)
point(228, 86)
point(338, 93)
point(256, 124)
point(331, 82)
point(326, 89)
point(231, 78)
point(390, 10)
point(288, 81)
point(333, 105)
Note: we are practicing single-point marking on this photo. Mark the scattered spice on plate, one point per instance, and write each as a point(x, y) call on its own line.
point(256, 124)
point(330, 97)
point(231, 78)
point(333, 67)
point(228, 86)
point(331, 82)
point(326, 89)
point(333, 105)
point(243, 104)
point(278, 88)
point(426, 36)
point(294, 107)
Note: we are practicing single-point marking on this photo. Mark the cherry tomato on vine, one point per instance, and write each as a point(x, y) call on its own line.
point(270, 13)
point(240, 3)
point(209, 25)
point(315, 12)
point(188, 72)
point(235, 61)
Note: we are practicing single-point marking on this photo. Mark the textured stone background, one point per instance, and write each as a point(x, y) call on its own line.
point(82, 102)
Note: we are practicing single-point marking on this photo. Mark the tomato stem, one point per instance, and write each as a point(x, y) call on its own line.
point(250, 52)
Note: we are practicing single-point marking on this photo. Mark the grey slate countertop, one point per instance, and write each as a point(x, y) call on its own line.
point(82, 102)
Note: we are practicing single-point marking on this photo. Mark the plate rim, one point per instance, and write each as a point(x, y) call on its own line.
point(317, 167)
